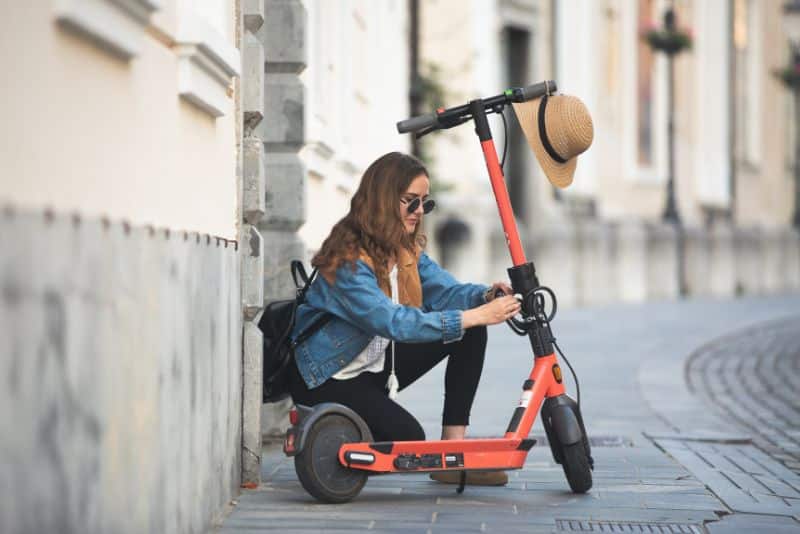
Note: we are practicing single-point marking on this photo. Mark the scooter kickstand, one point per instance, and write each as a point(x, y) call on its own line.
point(462, 482)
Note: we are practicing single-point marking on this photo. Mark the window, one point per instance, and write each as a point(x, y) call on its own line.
point(118, 27)
point(747, 84)
point(713, 123)
point(208, 59)
point(644, 89)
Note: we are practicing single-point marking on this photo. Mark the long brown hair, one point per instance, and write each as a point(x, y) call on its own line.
point(373, 223)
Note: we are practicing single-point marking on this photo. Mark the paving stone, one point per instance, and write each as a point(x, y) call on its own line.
point(740, 523)
point(756, 364)
point(634, 483)
point(740, 490)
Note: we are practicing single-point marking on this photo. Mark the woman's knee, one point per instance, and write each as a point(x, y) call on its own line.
point(411, 431)
point(477, 335)
point(474, 340)
point(397, 429)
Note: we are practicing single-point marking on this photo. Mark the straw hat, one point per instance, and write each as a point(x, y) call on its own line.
point(558, 128)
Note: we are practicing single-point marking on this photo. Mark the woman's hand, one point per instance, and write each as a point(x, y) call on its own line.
point(494, 312)
point(502, 286)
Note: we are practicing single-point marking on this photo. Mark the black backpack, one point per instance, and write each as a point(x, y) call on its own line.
point(276, 325)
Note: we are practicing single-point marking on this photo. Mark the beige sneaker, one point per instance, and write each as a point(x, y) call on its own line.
point(474, 478)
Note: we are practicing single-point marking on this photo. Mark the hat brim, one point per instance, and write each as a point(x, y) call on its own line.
point(559, 174)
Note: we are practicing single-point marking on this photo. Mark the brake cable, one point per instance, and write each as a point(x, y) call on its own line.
point(500, 112)
point(536, 300)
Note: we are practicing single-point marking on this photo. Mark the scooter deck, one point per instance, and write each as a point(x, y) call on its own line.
point(424, 456)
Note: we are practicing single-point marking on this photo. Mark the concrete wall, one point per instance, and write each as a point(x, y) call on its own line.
point(594, 262)
point(122, 334)
point(120, 349)
point(251, 107)
point(284, 38)
point(103, 114)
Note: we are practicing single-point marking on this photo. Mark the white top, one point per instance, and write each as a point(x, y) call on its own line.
point(373, 356)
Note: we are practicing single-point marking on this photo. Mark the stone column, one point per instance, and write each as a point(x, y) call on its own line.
point(698, 261)
point(252, 243)
point(596, 281)
point(553, 248)
point(631, 261)
point(661, 260)
point(282, 134)
point(721, 261)
point(748, 265)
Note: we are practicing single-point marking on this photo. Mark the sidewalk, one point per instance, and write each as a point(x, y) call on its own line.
point(647, 429)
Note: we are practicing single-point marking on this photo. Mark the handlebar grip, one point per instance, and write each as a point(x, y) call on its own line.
point(538, 89)
point(417, 123)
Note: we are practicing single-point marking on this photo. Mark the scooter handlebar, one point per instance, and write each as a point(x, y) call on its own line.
point(448, 118)
point(537, 90)
point(417, 123)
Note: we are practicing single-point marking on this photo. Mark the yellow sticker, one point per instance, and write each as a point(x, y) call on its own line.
point(557, 373)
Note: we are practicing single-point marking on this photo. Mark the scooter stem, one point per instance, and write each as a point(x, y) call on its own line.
point(498, 183)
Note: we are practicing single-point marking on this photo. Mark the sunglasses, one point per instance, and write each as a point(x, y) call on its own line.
point(413, 204)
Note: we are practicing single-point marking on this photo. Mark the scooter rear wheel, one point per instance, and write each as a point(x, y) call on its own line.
point(576, 467)
point(318, 466)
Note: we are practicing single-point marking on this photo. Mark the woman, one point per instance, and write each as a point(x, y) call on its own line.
point(396, 314)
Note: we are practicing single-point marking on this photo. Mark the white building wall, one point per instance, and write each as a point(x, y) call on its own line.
point(120, 331)
point(357, 86)
point(577, 65)
point(106, 117)
point(712, 154)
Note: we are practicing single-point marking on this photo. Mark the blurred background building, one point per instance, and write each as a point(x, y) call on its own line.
point(161, 161)
point(605, 238)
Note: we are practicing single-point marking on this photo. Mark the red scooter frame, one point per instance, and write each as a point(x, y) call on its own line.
point(543, 389)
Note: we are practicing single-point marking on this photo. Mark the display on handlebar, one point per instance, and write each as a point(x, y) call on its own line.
point(443, 119)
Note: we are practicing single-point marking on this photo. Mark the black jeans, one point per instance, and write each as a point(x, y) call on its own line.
point(366, 393)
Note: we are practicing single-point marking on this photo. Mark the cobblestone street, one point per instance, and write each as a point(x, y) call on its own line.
point(753, 377)
point(691, 408)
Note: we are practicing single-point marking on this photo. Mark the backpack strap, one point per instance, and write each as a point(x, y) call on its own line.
point(299, 272)
point(305, 334)
point(311, 330)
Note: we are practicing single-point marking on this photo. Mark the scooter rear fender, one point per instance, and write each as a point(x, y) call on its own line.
point(309, 415)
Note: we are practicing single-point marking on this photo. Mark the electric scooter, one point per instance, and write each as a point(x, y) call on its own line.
point(333, 448)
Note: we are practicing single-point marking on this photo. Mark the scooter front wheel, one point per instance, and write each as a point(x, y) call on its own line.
point(576, 467)
point(318, 466)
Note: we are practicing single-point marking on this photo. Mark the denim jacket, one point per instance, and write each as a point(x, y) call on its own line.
point(362, 310)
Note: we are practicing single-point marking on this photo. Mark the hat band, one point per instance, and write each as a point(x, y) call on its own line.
point(543, 133)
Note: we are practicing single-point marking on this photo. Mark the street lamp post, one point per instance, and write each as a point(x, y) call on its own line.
point(671, 209)
point(791, 77)
point(671, 41)
point(796, 217)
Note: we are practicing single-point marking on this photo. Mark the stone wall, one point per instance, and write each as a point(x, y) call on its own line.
point(120, 349)
point(253, 206)
point(589, 262)
point(282, 133)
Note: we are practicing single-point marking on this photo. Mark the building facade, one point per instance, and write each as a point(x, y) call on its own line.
point(357, 84)
point(351, 91)
point(603, 238)
point(121, 265)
